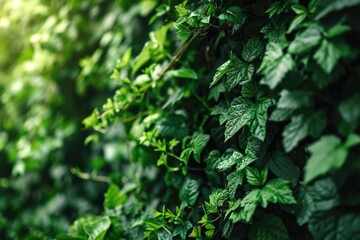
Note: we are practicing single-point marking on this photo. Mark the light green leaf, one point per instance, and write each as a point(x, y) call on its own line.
point(220, 72)
point(327, 55)
point(326, 154)
point(174, 98)
point(275, 65)
point(253, 49)
point(113, 197)
point(270, 227)
point(296, 22)
point(302, 126)
point(231, 161)
point(182, 73)
point(91, 227)
point(277, 191)
point(306, 40)
point(189, 192)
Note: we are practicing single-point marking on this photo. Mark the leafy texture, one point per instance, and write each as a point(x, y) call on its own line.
point(275, 65)
point(244, 112)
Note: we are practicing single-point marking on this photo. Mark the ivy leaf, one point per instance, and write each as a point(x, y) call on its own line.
point(320, 196)
point(283, 167)
point(253, 49)
point(275, 65)
point(113, 197)
point(189, 192)
point(302, 126)
point(234, 14)
point(328, 153)
point(239, 72)
point(198, 144)
point(277, 191)
point(91, 227)
point(256, 178)
point(270, 227)
point(220, 72)
point(327, 55)
point(306, 40)
point(244, 112)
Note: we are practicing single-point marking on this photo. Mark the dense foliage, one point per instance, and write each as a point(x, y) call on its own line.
point(234, 120)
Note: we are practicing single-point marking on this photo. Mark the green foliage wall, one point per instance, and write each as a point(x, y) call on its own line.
point(234, 120)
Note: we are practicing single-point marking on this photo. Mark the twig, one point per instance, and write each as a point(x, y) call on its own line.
point(87, 176)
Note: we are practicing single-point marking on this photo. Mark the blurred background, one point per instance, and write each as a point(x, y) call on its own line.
point(56, 58)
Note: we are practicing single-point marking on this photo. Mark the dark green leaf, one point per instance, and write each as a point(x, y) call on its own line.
point(253, 49)
point(238, 73)
point(189, 192)
point(270, 227)
point(283, 167)
point(198, 144)
point(234, 14)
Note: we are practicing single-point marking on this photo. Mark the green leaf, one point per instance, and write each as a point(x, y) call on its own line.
point(249, 89)
point(238, 73)
point(294, 99)
point(198, 144)
point(306, 40)
point(326, 154)
point(91, 227)
point(182, 73)
point(270, 227)
point(234, 180)
point(216, 91)
point(277, 191)
point(349, 110)
point(319, 197)
point(253, 49)
point(182, 230)
point(256, 178)
point(327, 55)
point(189, 192)
point(244, 112)
point(283, 167)
point(113, 197)
point(218, 197)
point(302, 126)
point(174, 98)
point(231, 161)
point(220, 72)
point(296, 22)
point(324, 7)
point(299, 9)
point(334, 226)
point(234, 14)
point(275, 65)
